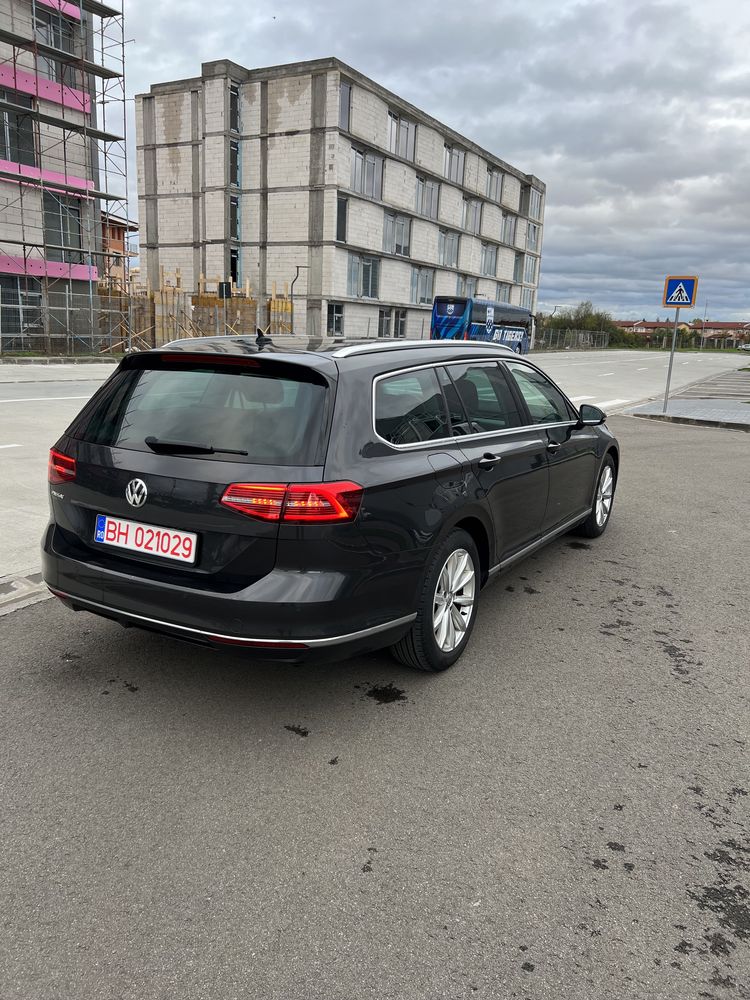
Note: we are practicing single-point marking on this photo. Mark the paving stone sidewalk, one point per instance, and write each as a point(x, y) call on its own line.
point(720, 401)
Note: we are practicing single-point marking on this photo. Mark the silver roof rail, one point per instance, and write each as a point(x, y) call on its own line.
point(353, 349)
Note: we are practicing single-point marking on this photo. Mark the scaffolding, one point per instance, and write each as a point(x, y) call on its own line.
point(63, 177)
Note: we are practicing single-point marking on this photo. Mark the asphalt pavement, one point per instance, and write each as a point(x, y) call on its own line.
point(563, 815)
point(615, 380)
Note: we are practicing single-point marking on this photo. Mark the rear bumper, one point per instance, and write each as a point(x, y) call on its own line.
point(287, 615)
point(331, 647)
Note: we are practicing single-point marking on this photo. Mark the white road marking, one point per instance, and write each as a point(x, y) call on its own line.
point(612, 402)
point(42, 399)
point(604, 374)
point(641, 369)
point(577, 399)
point(10, 446)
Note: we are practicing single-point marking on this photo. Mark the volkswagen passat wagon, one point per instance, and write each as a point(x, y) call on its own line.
point(313, 505)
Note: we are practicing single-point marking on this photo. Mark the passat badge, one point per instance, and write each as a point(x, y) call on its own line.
point(136, 493)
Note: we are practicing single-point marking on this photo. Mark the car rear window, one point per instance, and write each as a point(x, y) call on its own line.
point(277, 415)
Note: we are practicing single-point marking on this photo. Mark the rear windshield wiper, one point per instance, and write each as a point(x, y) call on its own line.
point(190, 447)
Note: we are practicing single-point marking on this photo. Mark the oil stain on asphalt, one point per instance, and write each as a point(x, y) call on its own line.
point(727, 899)
point(384, 694)
point(299, 730)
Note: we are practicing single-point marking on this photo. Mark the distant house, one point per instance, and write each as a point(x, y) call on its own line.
point(649, 330)
point(733, 331)
point(115, 249)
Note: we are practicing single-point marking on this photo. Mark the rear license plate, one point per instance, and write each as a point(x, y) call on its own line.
point(165, 542)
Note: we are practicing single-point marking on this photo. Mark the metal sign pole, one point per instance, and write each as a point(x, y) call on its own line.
point(671, 357)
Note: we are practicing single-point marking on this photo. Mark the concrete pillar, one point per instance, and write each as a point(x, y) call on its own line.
point(195, 136)
point(263, 318)
point(315, 232)
point(150, 191)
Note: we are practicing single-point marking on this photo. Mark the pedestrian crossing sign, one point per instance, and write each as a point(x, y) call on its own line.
point(680, 291)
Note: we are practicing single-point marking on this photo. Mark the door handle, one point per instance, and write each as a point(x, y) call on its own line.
point(553, 446)
point(488, 460)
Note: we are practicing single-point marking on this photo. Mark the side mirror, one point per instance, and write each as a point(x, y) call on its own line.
point(590, 416)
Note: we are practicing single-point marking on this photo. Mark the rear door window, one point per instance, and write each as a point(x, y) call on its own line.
point(409, 408)
point(486, 396)
point(276, 415)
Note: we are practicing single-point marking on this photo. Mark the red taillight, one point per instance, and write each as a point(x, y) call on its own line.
point(322, 502)
point(61, 468)
point(299, 503)
point(210, 359)
point(256, 499)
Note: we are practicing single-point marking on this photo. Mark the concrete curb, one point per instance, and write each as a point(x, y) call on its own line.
point(19, 591)
point(668, 418)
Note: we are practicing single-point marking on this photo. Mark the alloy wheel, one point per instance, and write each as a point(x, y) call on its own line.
point(604, 494)
point(453, 604)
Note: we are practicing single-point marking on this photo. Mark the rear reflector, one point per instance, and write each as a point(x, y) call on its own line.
point(60, 468)
point(299, 503)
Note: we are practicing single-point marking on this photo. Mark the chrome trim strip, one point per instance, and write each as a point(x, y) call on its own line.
point(434, 442)
point(539, 542)
point(249, 641)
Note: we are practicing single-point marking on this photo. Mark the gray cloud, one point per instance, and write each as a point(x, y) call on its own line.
point(636, 115)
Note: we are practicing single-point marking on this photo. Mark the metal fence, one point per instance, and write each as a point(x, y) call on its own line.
point(61, 322)
point(571, 340)
point(49, 322)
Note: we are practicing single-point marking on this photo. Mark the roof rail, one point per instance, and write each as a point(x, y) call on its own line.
point(351, 350)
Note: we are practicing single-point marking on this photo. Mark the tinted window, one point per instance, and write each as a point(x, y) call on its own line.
point(409, 407)
point(277, 418)
point(545, 403)
point(486, 397)
point(450, 307)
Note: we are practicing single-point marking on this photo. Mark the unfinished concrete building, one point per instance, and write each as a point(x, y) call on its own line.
point(314, 178)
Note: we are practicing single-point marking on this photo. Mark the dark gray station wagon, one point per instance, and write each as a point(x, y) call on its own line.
point(313, 505)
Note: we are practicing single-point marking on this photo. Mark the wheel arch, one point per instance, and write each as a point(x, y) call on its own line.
point(613, 452)
point(477, 531)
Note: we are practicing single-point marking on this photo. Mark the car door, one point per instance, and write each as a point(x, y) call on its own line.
point(419, 477)
point(508, 461)
point(571, 449)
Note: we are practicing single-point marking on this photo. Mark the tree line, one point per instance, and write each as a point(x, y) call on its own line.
point(585, 317)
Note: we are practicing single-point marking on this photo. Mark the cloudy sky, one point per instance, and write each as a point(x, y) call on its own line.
point(636, 115)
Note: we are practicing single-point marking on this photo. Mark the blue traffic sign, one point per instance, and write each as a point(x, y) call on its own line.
point(680, 291)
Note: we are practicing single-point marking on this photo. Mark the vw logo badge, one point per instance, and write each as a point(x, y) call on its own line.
point(136, 493)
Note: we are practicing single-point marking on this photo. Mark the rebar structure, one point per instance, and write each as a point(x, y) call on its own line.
point(64, 219)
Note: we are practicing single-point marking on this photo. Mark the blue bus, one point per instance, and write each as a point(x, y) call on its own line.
point(481, 319)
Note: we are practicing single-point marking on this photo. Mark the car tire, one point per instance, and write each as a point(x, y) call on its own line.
point(451, 583)
point(604, 496)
